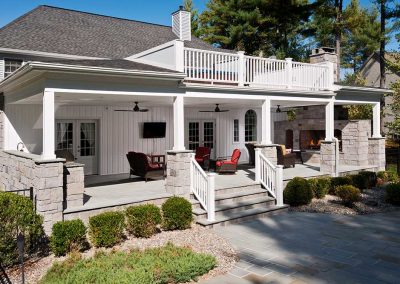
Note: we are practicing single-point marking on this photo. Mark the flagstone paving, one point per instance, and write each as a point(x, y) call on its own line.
point(297, 247)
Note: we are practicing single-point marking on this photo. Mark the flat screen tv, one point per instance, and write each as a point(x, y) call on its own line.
point(154, 129)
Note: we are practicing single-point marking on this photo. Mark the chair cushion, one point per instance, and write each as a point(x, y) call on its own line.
point(283, 148)
point(235, 156)
point(154, 166)
point(226, 162)
point(199, 160)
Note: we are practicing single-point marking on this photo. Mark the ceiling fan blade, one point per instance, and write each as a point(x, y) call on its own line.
point(128, 110)
point(144, 110)
point(206, 111)
point(223, 110)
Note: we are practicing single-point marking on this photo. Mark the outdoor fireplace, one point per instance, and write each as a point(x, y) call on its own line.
point(311, 139)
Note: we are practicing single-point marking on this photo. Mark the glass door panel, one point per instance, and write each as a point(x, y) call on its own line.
point(194, 135)
point(65, 136)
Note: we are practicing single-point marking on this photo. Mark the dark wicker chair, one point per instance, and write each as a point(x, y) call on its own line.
point(65, 154)
point(285, 159)
point(203, 157)
point(142, 166)
point(252, 153)
point(229, 165)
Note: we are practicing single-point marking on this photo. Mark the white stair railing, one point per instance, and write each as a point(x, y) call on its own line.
point(202, 185)
point(270, 176)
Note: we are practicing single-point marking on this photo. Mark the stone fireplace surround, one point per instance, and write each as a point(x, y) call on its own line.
point(354, 140)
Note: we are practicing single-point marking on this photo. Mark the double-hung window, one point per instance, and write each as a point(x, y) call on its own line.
point(10, 66)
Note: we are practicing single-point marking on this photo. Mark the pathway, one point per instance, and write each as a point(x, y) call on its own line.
point(315, 248)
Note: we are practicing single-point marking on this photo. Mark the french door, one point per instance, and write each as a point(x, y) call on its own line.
point(201, 133)
point(79, 137)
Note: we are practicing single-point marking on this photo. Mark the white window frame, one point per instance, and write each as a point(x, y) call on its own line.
point(238, 131)
point(13, 62)
point(254, 135)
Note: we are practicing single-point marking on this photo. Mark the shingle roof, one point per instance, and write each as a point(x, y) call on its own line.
point(57, 30)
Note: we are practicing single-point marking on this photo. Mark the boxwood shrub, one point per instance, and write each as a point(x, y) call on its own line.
point(320, 186)
point(177, 213)
point(298, 192)
point(387, 176)
point(17, 214)
point(142, 220)
point(370, 177)
point(106, 229)
point(359, 181)
point(68, 236)
point(348, 194)
point(393, 193)
point(339, 181)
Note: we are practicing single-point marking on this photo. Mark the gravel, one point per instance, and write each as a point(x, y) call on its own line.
point(372, 201)
point(198, 238)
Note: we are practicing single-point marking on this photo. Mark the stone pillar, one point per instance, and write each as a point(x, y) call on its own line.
point(327, 157)
point(2, 129)
point(355, 142)
point(376, 153)
point(178, 172)
point(49, 192)
point(269, 151)
point(73, 184)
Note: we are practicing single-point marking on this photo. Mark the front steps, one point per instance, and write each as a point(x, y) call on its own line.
point(237, 204)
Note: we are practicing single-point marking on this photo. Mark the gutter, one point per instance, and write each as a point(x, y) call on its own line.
point(48, 66)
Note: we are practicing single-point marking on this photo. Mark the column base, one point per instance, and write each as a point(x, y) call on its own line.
point(178, 172)
point(269, 151)
point(327, 156)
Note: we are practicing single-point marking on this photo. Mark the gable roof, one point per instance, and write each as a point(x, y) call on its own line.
point(63, 31)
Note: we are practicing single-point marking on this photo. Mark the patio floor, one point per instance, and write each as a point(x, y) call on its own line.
point(111, 190)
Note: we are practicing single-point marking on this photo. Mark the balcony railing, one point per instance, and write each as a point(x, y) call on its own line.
point(237, 69)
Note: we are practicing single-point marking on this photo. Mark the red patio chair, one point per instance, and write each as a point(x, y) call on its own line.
point(203, 157)
point(229, 165)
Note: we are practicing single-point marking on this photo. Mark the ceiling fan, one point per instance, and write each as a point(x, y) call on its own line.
point(135, 109)
point(217, 109)
point(278, 109)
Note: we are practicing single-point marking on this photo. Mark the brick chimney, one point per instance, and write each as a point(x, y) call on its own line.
point(181, 24)
point(325, 54)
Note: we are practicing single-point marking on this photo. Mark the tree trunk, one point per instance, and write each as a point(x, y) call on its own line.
point(382, 82)
point(338, 35)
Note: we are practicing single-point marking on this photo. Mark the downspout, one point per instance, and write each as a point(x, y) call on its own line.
point(336, 174)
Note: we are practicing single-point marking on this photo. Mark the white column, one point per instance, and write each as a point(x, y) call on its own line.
point(329, 121)
point(179, 124)
point(48, 125)
point(241, 71)
point(376, 121)
point(266, 122)
point(179, 56)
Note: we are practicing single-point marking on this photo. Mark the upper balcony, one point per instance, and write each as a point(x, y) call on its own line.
point(237, 69)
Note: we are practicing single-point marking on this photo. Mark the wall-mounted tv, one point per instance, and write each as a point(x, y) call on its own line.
point(154, 129)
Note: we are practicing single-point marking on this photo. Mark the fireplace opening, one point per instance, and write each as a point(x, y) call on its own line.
point(311, 139)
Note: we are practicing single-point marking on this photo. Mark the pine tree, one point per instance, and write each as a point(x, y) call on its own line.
point(265, 27)
point(394, 127)
point(361, 35)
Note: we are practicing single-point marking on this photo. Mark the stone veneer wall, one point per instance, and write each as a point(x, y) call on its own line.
point(52, 192)
point(270, 152)
point(327, 164)
point(376, 153)
point(178, 172)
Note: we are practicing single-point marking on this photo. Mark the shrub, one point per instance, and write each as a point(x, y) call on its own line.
point(167, 264)
point(370, 177)
point(106, 229)
point(359, 181)
point(348, 194)
point(142, 220)
point(17, 214)
point(320, 186)
point(297, 192)
point(339, 181)
point(388, 176)
point(68, 236)
point(393, 193)
point(177, 214)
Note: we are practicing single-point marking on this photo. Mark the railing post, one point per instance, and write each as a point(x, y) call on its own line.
point(279, 185)
point(191, 175)
point(211, 197)
point(242, 67)
point(257, 164)
point(289, 75)
point(179, 55)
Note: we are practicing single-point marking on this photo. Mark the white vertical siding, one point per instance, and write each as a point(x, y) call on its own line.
point(1, 69)
point(120, 132)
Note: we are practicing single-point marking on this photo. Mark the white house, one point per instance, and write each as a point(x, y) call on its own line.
point(69, 80)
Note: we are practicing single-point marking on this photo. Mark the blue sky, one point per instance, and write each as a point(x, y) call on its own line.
point(155, 11)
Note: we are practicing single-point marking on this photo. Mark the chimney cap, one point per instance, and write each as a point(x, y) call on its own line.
point(181, 8)
point(323, 49)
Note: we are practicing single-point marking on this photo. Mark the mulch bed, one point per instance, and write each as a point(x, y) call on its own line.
point(373, 201)
point(199, 239)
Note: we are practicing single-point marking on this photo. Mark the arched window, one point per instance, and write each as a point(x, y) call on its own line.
point(250, 126)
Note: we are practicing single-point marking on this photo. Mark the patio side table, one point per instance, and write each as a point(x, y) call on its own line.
point(298, 155)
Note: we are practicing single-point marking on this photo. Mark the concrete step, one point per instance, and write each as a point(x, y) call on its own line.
point(225, 198)
point(245, 215)
point(236, 189)
point(233, 207)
